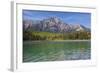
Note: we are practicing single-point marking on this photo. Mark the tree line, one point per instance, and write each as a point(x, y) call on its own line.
point(79, 35)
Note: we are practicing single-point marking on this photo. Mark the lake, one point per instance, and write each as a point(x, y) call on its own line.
point(41, 51)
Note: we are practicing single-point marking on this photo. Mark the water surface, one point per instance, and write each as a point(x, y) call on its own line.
point(40, 51)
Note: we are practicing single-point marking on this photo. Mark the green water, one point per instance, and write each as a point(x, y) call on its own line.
point(41, 51)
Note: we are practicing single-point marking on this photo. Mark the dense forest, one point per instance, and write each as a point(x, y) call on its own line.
point(37, 35)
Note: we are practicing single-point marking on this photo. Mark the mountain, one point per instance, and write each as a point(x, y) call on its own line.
point(52, 24)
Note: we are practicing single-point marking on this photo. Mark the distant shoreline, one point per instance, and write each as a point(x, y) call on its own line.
point(58, 41)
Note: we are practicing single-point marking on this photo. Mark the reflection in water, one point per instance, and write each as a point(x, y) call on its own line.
point(37, 52)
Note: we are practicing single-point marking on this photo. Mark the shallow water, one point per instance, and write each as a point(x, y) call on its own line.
point(40, 51)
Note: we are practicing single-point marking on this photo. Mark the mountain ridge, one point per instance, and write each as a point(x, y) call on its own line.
point(52, 24)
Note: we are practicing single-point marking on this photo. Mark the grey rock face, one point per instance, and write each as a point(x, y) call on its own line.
point(52, 24)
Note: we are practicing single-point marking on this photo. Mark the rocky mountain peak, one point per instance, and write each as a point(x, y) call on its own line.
point(54, 24)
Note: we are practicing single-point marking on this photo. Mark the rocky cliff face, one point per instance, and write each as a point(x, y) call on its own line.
point(52, 24)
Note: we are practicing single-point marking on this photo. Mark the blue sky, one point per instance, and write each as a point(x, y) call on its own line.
point(67, 17)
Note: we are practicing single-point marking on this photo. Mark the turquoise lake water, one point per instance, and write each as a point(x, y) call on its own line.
point(41, 51)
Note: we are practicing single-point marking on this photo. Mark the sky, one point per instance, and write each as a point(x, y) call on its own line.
point(67, 17)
